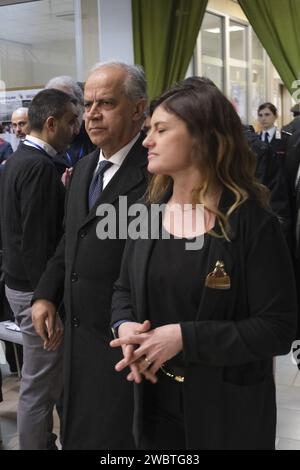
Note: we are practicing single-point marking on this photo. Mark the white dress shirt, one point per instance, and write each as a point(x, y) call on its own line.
point(117, 160)
point(31, 141)
point(271, 133)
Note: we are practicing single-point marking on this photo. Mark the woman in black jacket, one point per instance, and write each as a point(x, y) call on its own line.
point(202, 325)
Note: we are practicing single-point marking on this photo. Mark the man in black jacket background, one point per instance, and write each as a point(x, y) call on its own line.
point(269, 171)
point(31, 208)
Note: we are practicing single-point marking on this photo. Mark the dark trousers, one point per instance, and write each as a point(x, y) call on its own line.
point(163, 423)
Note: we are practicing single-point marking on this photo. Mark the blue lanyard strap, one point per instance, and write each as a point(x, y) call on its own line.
point(37, 146)
point(69, 158)
point(80, 155)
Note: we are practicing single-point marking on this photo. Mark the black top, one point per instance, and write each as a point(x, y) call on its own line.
point(175, 281)
point(31, 209)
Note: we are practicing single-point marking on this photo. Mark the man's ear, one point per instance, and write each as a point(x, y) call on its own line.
point(50, 124)
point(140, 108)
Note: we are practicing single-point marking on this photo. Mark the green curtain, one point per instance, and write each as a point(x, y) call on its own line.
point(165, 33)
point(277, 23)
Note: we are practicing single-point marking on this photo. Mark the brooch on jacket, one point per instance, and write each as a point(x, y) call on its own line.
point(218, 278)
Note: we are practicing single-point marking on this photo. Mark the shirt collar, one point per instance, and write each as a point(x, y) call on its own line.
point(118, 157)
point(45, 146)
point(271, 132)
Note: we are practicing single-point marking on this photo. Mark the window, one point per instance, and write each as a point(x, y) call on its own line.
point(238, 68)
point(258, 76)
point(212, 49)
point(37, 42)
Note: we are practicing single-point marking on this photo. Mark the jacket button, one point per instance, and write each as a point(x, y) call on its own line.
point(74, 277)
point(75, 322)
point(83, 234)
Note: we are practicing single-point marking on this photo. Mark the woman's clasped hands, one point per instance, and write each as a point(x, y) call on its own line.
point(145, 349)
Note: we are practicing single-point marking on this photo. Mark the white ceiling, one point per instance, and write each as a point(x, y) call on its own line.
point(37, 22)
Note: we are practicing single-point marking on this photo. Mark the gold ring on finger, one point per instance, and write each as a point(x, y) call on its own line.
point(148, 362)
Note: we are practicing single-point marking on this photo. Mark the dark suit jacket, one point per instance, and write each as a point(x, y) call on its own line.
point(229, 392)
point(269, 172)
point(291, 167)
point(97, 402)
point(293, 126)
point(279, 146)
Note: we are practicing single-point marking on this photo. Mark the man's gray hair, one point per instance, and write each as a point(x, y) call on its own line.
point(135, 86)
point(68, 85)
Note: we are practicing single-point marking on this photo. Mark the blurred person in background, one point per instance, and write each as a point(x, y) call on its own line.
point(20, 123)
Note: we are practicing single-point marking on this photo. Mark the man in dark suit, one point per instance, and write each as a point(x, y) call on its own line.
point(97, 403)
point(31, 208)
point(270, 173)
point(294, 125)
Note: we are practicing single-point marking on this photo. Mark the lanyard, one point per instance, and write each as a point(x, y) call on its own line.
point(69, 158)
point(80, 155)
point(37, 146)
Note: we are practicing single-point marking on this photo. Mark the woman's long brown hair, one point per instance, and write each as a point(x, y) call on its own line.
point(223, 155)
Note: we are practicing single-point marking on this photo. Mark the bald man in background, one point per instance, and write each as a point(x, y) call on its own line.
point(20, 123)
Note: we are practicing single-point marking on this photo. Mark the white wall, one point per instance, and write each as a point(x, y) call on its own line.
point(115, 28)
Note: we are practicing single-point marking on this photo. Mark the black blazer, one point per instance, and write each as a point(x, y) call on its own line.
point(229, 391)
point(291, 167)
point(269, 171)
point(97, 402)
point(279, 146)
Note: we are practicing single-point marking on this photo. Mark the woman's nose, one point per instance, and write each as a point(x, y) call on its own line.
point(148, 141)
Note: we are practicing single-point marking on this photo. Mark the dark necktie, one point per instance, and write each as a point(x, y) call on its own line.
point(266, 139)
point(96, 185)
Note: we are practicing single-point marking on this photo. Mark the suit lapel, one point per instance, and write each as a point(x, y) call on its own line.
point(84, 176)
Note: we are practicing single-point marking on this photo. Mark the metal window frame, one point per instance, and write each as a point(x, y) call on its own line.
point(78, 40)
point(225, 18)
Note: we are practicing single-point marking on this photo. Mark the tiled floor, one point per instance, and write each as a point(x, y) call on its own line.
point(288, 401)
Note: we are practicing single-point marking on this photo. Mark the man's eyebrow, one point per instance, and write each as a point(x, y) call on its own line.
point(108, 98)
